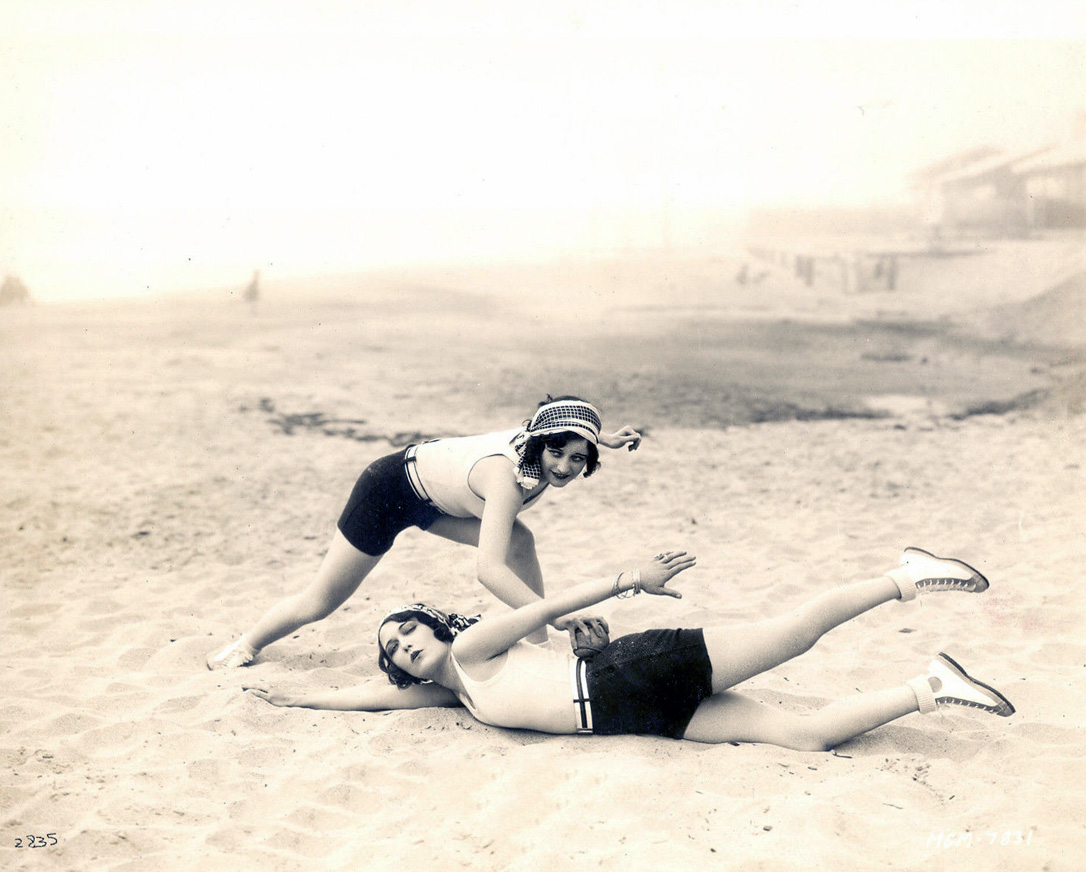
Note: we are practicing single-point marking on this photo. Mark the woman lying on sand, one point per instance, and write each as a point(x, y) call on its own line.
point(468, 489)
point(673, 683)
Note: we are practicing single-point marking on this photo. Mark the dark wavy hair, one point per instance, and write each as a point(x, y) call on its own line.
point(442, 632)
point(533, 448)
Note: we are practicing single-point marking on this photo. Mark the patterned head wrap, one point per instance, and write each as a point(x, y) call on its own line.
point(559, 416)
point(453, 621)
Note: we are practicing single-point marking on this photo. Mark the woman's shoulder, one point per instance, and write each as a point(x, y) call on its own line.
point(495, 471)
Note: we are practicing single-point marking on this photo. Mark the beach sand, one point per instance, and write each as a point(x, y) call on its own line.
point(170, 468)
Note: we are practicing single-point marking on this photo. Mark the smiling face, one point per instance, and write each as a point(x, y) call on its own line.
point(563, 464)
point(412, 647)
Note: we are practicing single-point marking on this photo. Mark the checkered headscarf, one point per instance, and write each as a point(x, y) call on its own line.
point(560, 416)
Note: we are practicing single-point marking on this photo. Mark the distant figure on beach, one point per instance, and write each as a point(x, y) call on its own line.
point(252, 292)
point(672, 683)
point(13, 292)
point(468, 489)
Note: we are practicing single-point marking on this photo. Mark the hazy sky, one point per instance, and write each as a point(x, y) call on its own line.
point(148, 146)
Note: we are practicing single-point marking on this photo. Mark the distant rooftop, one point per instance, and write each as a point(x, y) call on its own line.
point(1071, 154)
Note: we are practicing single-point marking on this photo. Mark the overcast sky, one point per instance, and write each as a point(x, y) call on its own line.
point(148, 146)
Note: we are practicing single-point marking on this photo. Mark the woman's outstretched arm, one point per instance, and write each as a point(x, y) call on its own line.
point(495, 635)
point(374, 696)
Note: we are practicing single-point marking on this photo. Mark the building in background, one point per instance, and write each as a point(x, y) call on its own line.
point(988, 191)
point(1054, 185)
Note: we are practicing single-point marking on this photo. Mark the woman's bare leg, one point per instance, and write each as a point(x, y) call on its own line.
point(743, 651)
point(341, 572)
point(732, 717)
point(521, 559)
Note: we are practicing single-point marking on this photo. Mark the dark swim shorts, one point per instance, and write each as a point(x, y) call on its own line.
point(382, 504)
point(649, 683)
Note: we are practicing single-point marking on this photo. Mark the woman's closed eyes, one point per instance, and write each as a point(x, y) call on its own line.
point(405, 629)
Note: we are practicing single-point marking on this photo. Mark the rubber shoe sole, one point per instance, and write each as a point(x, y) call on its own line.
point(974, 694)
point(974, 583)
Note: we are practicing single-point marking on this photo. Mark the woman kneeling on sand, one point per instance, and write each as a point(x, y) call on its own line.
point(674, 683)
point(468, 489)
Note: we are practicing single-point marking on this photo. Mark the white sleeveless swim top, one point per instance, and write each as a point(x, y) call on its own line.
point(531, 691)
point(443, 467)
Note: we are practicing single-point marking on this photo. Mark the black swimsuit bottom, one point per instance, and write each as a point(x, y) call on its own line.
point(649, 683)
point(382, 504)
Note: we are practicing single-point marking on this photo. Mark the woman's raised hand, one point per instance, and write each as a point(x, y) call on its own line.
point(664, 567)
point(627, 436)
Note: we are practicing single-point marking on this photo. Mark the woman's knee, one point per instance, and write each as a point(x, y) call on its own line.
point(808, 733)
point(803, 632)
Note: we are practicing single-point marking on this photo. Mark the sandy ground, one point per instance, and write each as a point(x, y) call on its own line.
point(171, 468)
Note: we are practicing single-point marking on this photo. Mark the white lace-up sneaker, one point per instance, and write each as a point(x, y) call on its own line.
point(923, 572)
point(955, 687)
point(232, 656)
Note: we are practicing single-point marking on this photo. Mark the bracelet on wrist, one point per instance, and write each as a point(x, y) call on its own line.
point(634, 590)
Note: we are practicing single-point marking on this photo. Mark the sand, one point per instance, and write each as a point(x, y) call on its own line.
point(172, 467)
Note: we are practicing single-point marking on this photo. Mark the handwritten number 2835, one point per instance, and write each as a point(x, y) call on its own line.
point(48, 840)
